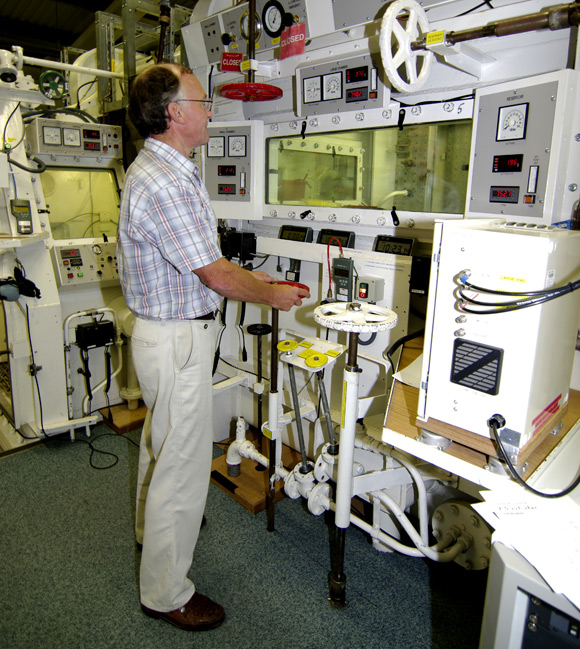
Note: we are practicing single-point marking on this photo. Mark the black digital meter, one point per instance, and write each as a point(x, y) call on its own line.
point(394, 245)
point(346, 238)
point(295, 233)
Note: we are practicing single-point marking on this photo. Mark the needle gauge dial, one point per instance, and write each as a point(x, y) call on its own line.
point(512, 121)
point(245, 26)
point(272, 18)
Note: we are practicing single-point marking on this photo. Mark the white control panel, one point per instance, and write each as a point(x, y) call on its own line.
point(81, 263)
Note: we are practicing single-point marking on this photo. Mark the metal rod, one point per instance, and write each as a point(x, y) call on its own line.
point(271, 493)
point(554, 18)
point(251, 37)
point(55, 65)
point(323, 398)
point(336, 577)
point(292, 375)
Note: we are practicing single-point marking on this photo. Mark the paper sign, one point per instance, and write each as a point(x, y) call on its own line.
point(231, 61)
point(292, 41)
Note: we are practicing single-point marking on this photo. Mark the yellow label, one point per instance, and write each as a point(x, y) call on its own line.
point(517, 280)
point(435, 38)
point(305, 343)
point(333, 353)
point(245, 65)
point(267, 433)
point(306, 353)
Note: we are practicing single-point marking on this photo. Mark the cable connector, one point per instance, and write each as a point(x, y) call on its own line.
point(496, 422)
point(464, 276)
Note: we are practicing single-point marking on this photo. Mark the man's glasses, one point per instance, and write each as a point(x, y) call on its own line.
point(206, 102)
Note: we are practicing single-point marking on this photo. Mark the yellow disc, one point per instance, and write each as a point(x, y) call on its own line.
point(287, 345)
point(316, 360)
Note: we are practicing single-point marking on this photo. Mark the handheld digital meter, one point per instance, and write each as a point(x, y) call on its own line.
point(343, 277)
point(22, 212)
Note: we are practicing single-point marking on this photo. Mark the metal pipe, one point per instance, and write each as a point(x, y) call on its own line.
point(554, 18)
point(251, 38)
point(305, 466)
point(56, 65)
point(333, 449)
point(273, 414)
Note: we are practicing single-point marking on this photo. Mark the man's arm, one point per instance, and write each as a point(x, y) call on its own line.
point(234, 282)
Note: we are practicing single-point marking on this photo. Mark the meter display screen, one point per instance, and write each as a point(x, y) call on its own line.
point(91, 134)
point(346, 238)
point(393, 245)
point(504, 194)
point(295, 233)
point(227, 189)
point(353, 75)
point(226, 170)
point(92, 146)
point(503, 163)
point(357, 94)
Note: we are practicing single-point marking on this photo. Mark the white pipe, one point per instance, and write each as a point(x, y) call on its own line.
point(69, 67)
point(463, 542)
point(346, 448)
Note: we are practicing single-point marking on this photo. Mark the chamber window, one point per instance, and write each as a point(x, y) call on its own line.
point(422, 168)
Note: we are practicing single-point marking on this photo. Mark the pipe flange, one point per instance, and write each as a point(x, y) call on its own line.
point(319, 499)
point(355, 317)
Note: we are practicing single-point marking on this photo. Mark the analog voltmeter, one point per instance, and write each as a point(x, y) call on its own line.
point(511, 123)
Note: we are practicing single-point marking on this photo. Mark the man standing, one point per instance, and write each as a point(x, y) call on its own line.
point(173, 277)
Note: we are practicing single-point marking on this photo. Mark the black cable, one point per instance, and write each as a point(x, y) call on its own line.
point(401, 341)
point(34, 372)
point(6, 125)
point(497, 421)
point(95, 450)
point(37, 170)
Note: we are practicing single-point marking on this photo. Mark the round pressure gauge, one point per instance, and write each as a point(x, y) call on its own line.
point(245, 26)
point(71, 136)
point(512, 122)
point(272, 18)
point(97, 249)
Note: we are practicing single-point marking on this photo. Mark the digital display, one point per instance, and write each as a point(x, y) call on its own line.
point(357, 74)
point(91, 134)
point(346, 238)
point(394, 245)
point(504, 194)
point(226, 189)
point(341, 272)
point(295, 233)
point(226, 170)
point(92, 146)
point(503, 163)
point(357, 94)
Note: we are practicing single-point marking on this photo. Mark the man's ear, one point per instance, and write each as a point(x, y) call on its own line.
point(174, 112)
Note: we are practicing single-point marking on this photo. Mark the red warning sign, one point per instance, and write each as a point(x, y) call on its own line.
point(292, 41)
point(231, 61)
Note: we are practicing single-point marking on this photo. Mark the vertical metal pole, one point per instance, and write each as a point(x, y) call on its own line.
point(251, 37)
point(271, 495)
point(343, 498)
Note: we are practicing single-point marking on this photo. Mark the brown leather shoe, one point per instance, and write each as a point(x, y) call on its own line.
point(199, 614)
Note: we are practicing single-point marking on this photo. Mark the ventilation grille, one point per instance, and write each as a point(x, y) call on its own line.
point(476, 366)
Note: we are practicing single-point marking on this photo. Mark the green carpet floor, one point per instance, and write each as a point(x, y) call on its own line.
point(69, 569)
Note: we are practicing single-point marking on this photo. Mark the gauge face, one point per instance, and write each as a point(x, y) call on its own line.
point(312, 88)
point(51, 135)
point(237, 146)
point(216, 147)
point(245, 26)
point(332, 86)
point(272, 18)
point(512, 122)
point(97, 249)
point(71, 136)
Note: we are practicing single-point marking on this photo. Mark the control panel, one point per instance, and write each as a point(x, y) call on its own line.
point(88, 139)
point(233, 171)
point(332, 86)
point(228, 31)
point(80, 264)
point(525, 153)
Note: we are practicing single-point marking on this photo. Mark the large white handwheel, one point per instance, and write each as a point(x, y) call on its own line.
point(395, 44)
point(355, 317)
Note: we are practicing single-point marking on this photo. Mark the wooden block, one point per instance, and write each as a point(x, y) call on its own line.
point(250, 487)
point(122, 420)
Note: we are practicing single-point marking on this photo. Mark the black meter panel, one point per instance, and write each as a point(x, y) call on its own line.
point(232, 171)
point(300, 233)
point(327, 236)
point(394, 245)
point(332, 86)
point(521, 149)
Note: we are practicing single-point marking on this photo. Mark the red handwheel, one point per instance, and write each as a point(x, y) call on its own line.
point(250, 91)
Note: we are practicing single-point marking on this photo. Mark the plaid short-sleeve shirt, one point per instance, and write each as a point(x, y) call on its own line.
point(167, 229)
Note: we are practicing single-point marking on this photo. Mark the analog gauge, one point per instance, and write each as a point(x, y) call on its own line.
point(216, 147)
point(332, 86)
point(245, 26)
point(272, 17)
point(97, 249)
point(312, 89)
point(51, 135)
point(237, 146)
point(512, 122)
point(71, 136)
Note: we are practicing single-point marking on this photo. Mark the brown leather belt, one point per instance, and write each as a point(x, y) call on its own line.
point(207, 316)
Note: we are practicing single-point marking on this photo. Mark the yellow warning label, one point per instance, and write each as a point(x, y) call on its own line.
point(305, 343)
point(435, 38)
point(342, 419)
point(333, 353)
point(267, 433)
